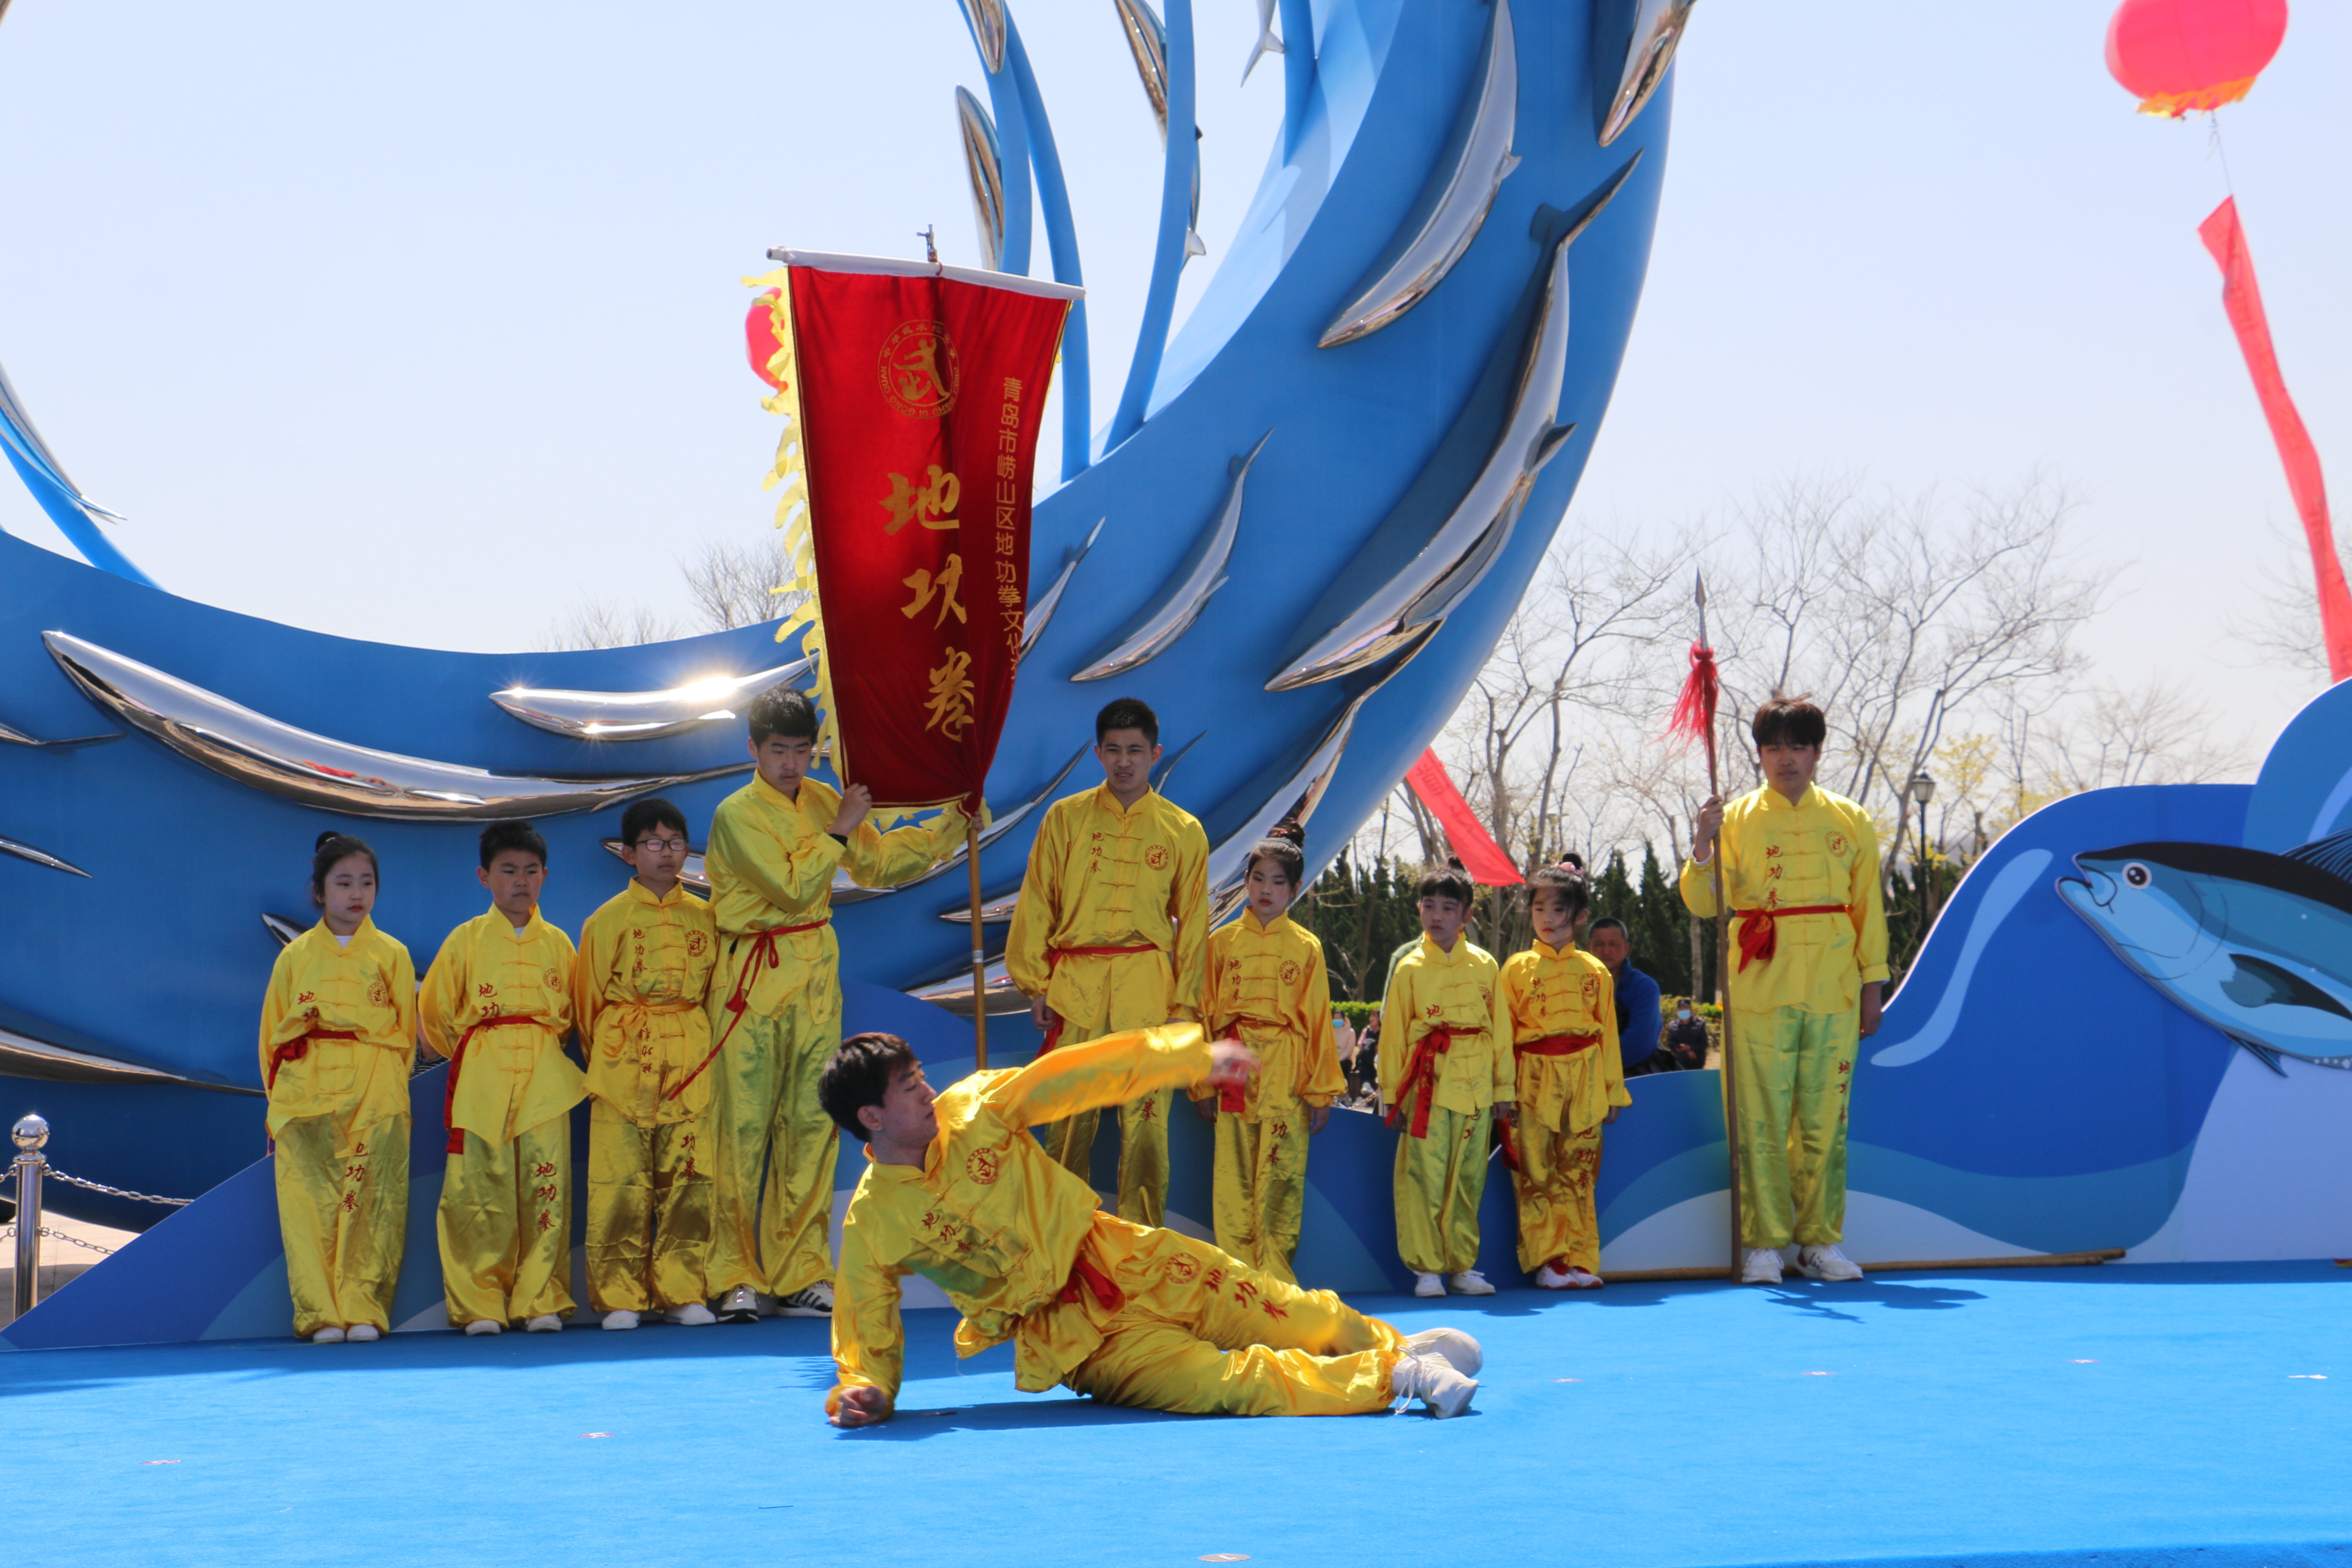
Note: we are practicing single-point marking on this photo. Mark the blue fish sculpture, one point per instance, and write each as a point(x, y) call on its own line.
point(2258, 945)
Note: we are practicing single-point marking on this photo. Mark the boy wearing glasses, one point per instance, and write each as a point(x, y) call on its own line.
point(638, 991)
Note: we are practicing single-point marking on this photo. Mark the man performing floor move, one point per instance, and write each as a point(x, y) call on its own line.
point(960, 1192)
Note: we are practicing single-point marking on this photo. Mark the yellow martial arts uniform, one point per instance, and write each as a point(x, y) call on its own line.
point(1559, 1007)
point(1112, 930)
point(338, 1025)
point(1267, 986)
point(1442, 1068)
point(1795, 1014)
point(1124, 1312)
point(776, 1020)
point(638, 999)
point(498, 1001)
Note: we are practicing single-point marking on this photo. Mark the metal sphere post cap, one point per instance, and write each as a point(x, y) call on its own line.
point(31, 1132)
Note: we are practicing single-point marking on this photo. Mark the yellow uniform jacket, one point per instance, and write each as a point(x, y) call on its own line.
point(637, 993)
point(772, 862)
point(366, 987)
point(1548, 990)
point(1428, 987)
point(1266, 984)
point(1101, 875)
point(991, 1219)
point(514, 1075)
point(1819, 852)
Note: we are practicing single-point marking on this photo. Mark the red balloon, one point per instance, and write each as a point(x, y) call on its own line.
point(760, 338)
point(2177, 56)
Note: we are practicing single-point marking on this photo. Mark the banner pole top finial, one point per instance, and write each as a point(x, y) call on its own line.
point(929, 235)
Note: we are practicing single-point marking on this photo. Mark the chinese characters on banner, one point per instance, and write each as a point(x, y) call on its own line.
point(922, 390)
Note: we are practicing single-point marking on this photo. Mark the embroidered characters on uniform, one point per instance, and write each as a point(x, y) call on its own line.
point(1156, 858)
point(1291, 973)
point(1181, 1268)
point(307, 997)
point(486, 989)
point(982, 1166)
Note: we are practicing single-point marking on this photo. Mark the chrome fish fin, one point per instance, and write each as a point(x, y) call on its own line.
point(2258, 982)
point(2331, 855)
point(2266, 1055)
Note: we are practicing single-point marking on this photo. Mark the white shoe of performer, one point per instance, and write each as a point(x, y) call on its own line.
point(1761, 1265)
point(330, 1335)
point(1827, 1263)
point(1433, 1380)
point(1459, 1350)
point(740, 1305)
point(694, 1315)
point(486, 1326)
point(362, 1333)
point(1550, 1278)
point(620, 1317)
point(1470, 1282)
point(1582, 1279)
point(816, 1301)
point(545, 1323)
point(1428, 1285)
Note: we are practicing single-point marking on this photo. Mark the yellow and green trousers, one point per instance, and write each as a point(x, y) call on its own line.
point(774, 1154)
point(1795, 1076)
point(1260, 1186)
point(648, 1211)
point(1439, 1181)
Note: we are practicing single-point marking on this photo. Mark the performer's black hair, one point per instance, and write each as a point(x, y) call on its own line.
point(1128, 713)
point(859, 1075)
point(785, 712)
point(334, 847)
point(500, 836)
point(651, 812)
point(1285, 844)
point(1570, 883)
point(1790, 722)
point(1450, 881)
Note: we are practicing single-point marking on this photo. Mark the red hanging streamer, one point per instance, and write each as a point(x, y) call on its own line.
point(1481, 855)
point(1694, 715)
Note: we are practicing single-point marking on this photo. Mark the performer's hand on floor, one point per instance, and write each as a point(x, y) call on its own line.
point(1870, 1009)
point(855, 802)
point(1316, 1117)
point(1039, 1014)
point(1231, 1064)
point(860, 1407)
point(1207, 1107)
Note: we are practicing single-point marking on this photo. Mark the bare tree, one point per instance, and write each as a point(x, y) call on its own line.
point(599, 623)
point(2283, 630)
point(740, 586)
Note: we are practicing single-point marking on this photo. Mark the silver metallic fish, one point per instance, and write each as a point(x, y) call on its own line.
point(1269, 42)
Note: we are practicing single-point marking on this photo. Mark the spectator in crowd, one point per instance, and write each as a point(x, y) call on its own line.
point(1368, 1056)
point(1686, 1036)
point(1638, 1023)
point(1343, 1037)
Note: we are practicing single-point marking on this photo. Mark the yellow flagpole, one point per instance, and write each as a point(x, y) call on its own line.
point(978, 949)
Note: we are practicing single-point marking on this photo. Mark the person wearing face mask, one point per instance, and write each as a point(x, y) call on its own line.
point(1686, 1037)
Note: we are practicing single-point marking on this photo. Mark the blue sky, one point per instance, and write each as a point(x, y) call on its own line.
point(422, 325)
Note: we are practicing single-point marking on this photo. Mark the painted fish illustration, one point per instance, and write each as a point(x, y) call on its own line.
point(2258, 945)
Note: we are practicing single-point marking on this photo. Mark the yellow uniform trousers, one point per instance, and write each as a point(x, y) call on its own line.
point(774, 1154)
point(1794, 1070)
point(1190, 1329)
point(1097, 994)
point(648, 1212)
point(1439, 1181)
point(505, 1225)
point(342, 1207)
point(1143, 1152)
point(1261, 1188)
point(1555, 1180)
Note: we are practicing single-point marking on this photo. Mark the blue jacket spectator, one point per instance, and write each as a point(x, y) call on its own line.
point(1639, 1024)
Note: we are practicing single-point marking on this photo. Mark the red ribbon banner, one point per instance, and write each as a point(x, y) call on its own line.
point(1481, 855)
point(922, 390)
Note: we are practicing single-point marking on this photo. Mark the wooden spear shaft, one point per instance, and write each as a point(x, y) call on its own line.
point(1723, 976)
point(979, 950)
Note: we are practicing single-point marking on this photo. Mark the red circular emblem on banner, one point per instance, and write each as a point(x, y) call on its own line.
point(982, 1166)
point(1156, 858)
point(918, 371)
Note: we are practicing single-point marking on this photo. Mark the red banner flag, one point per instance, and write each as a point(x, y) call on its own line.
point(1481, 855)
point(2241, 296)
point(917, 392)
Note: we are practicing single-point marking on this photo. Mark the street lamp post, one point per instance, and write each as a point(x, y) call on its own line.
point(1923, 790)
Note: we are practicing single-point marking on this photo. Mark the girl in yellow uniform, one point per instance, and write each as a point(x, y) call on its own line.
point(1266, 985)
point(1558, 1006)
point(497, 1004)
point(637, 993)
point(336, 1031)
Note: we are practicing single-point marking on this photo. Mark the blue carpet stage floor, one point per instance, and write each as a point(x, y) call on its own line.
point(2124, 1415)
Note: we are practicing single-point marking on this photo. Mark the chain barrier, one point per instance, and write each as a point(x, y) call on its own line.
point(53, 1175)
point(9, 1231)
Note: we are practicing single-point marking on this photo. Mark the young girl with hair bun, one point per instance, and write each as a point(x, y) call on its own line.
point(338, 1026)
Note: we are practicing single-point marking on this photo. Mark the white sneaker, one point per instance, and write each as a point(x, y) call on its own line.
point(1761, 1267)
point(1459, 1350)
point(816, 1301)
point(1827, 1263)
point(740, 1305)
point(694, 1315)
point(1469, 1282)
point(486, 1326)
point(620, 1317)
point(1433, 1380)
point(545, 1323)
point(362, 1333)
point(1582, 1279)
point(1550, 1278)
point(1428, 1285)
point(330, 1335)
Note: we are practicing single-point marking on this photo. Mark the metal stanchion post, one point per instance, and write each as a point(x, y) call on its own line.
point(30, 1133)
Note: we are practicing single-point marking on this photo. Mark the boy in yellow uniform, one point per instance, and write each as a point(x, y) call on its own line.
point(497, 1004)
point(1111, 934)
point(1267, 986)
point(638, 1000)
point(958, 1192)
point(1443, 1071)
point(338, 1030)
point(775, 1005)
point(1801, 873)
point(1559, 1013)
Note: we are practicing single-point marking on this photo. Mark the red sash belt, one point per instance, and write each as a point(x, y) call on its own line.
point(1559, 1044)
point(1054, 956)
point(295, 1050)
point(1235, 1097)
point(762, 956)
point(1087, 1275)
point(1420, 1073)
point(458, 1061)
point(1759, 930)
